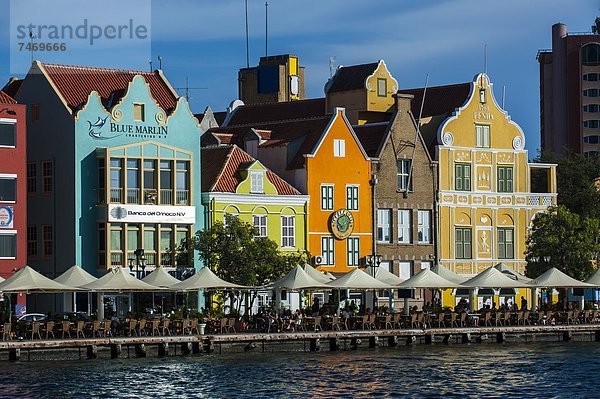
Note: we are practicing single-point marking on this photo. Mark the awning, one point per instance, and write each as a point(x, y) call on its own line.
point(317, 275)
point(383, 275)
point(358, 280)
point(30, 281)
point(448, 274)
point(511, 273)
point(595, 279)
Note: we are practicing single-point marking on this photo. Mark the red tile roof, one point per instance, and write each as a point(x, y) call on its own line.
point(75, 83)
point(371, 136)
point(250, 115)
point(222, 167)
point(6, 99)
point(439, 100)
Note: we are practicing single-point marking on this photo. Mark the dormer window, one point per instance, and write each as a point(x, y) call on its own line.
point(139, 113)
point(256, 182)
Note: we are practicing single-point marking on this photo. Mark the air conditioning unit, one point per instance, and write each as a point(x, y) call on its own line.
point(150, 197)
point(318, 260)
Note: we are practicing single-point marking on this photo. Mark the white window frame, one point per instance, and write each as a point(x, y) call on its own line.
point(142, 109)
point(14, 234)
point(10, 176)
point(385, 226)
point(328, 250)
point(424, 226)
point(288, 231)
point(352, 197)
point(405, 226)
point(327, 197)
point(257, 182)
point(339, 148)
point(482, 136)
point(403, 175)
point(405, 269)
point(7, 121)
point(260, 226)
point(353, 251)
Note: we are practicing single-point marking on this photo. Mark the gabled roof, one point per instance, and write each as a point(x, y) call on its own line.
point(12, 86)
point(439, 100)
point(222, 167)
point(371, 136)
point(6, 99)
point(350, 77)
point(250, 115)
point(75, 83)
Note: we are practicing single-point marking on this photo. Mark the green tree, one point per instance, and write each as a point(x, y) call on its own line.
point(576, 176)
point(235, 254)
point(570, 242)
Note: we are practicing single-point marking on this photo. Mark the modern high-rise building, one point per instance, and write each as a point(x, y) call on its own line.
point(570, 91)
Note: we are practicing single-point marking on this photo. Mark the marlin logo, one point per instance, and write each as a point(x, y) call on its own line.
point(96, 127)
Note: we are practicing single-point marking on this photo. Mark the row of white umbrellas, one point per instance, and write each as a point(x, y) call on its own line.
point(306, 277)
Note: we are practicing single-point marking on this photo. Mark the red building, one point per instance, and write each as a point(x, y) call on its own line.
point(13, 187)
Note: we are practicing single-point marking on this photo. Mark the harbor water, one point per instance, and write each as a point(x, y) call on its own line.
point(533, 370)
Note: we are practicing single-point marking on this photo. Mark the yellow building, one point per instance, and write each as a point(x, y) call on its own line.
point(485, 204)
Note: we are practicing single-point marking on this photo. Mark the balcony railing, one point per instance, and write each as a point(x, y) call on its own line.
point(542, 200)
point(182, 197)
point(116, 195)
point(166, 197)
point(166, 259)
point(133, 195)
point(116, 259)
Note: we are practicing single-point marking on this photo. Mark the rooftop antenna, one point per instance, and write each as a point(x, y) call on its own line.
point(331, 66)
point(31, 46)
point(503, 95)
point(187, 89)
point(150, 62)
point(266, 28)
point(485, 59)
point(247, 46)
point(160, 62)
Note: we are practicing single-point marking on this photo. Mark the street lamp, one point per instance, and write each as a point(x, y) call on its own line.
point(374, 261)
point(140, 262)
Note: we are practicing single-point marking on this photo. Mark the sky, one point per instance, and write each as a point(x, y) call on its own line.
point(203, 41)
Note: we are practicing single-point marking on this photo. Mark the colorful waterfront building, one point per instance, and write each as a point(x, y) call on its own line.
point(322, 158)
point(485, 199)
point(117, 153)
point(235, 183)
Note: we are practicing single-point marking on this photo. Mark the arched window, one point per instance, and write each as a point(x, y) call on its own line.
point(590, 54)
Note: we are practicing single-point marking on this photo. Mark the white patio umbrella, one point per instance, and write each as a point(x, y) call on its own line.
point(30, 281)
point(511, 273)
point(317, 275)
point(75, 276)
point(298, 279)
point(384, 275)
point(119, 280)
point(426, 278)
point(358, 280)
point(493, 278)
point(160, 278)
point(205, 279)
point(448, 274)
point(554, 278)
point(595, 279)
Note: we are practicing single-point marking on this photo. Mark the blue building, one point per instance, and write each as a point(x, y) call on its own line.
point(118, 155)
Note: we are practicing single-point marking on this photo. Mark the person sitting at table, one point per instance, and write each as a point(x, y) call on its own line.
point(493, 308)
point(427, 307)
point(523, 303)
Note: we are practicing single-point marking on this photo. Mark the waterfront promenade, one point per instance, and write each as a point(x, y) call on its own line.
point(172, 345)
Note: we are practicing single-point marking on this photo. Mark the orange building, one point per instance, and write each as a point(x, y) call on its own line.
point(320, 156)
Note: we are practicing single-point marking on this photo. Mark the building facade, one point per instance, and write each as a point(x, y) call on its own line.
point(15, 236)
point(570, 92)
point(485, 200)
point(234, 183)
point(118, 154)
